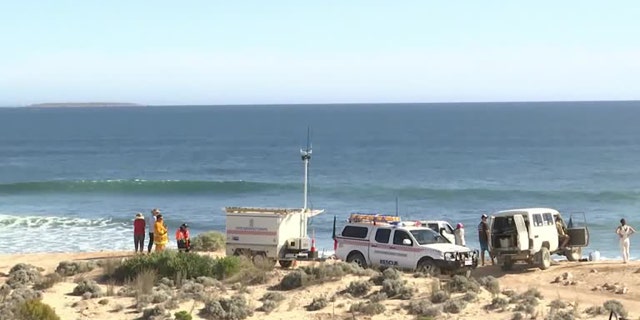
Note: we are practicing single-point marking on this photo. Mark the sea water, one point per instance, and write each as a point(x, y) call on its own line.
point(72, 179)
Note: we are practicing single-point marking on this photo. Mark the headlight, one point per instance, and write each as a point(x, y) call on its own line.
point(449, 256)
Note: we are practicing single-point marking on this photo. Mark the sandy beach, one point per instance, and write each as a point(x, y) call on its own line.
point(581, 286)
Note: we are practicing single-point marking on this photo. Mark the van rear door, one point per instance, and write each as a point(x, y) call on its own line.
point(578, 230)
point(523, 234)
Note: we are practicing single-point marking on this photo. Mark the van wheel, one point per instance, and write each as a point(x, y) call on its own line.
point(545, 258)
point(573, 254)
point(357, 258)
point(428, 267)
point(285, 263)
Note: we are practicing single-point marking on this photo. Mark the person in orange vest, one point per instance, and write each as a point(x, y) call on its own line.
point(160, 235)
point(182, 238)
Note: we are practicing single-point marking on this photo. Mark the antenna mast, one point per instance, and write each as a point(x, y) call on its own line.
point(306, 157)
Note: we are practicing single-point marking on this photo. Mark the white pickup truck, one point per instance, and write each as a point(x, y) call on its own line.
point(387, 242)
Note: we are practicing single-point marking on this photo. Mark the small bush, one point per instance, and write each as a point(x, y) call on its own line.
point(557, 304)
point(23, 274)
point(251, 274)
point(396, 289)
point(498, 303)
point(318, 303)
point(378, 297)
point(268, 306)
point(48, 281)
point(596, 311)
point(390, 273)
point(88, 286)
point(491, 284)
point(293, 280)
point(154, 313)
point(517, 316)
point(615, 306)
point(439, 296)
point(208, 241)
point(275, 296)
point(144, 281)
point(355, 269)
point(233, 308)
point(72, 268)
point(463, 284)
point(36, 310)
point(103, 301)
point(470, 297)
point(358, 288)
point(367, 308)
point(454, 306)
point(560, 315)
point(109, 266)
point(419, 307)
point(182, 315)
point(172, 304)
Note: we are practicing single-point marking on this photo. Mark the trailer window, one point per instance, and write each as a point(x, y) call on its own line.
point(355, 232)
point(383, 235)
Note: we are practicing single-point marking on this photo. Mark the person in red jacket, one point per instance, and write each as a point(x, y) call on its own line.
point(182, 238)
point(138, 232)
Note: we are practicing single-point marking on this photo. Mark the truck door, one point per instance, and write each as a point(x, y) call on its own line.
point(447, 232)
point(380, 252)
point(577, 230)
point(403, 252)
point(522, 233)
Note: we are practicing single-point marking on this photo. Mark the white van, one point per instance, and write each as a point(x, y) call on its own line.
point(530, 235)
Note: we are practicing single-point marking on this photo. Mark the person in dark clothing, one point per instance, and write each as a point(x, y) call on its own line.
point(150, 222)
point(138, 232)
point(483, 237)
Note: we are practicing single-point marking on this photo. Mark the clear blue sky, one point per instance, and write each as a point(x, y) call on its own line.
point(245, 52)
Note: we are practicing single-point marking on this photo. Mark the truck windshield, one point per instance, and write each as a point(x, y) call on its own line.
point(427, 236)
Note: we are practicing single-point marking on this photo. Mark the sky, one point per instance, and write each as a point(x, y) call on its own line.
point(282, 52)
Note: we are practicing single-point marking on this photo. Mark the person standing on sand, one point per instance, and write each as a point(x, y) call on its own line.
point(483, 237)
point(150, 221)
point(160, 234)
point(138, 232)
point(624, 231)
point(459, 234)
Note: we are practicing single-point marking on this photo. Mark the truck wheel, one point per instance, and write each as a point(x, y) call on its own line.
point(261, 260)
point(545, 258)
point(573, 254)
point(285, 263)
point(428, 267)
point(357, 258)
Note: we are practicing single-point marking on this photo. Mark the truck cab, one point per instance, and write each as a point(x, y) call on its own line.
point(442, 227)
point(385, 241)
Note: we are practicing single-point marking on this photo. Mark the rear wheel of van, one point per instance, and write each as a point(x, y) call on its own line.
point(544, 258)
point(428, 267)
point(357, 258)
point(573, 254)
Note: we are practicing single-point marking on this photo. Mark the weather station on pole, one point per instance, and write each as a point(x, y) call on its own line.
point(267, 235)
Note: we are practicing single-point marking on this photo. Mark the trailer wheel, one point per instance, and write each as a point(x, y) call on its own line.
point(285, 263)
point(357, 258)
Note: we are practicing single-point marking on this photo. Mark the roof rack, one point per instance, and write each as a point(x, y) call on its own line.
point(372, 218)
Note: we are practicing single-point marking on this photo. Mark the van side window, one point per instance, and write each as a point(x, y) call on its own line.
point(399, 236)
point(355, 232)
point(548, 219)
point(383, 235)
point(537, 220)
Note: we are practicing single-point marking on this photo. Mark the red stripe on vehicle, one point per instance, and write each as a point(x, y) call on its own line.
point(257, 233)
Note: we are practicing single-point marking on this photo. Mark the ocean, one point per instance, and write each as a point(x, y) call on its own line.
point(72, 179)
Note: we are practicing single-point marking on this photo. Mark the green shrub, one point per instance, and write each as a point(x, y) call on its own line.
point(419, 307)
point(454, 306)
point(491, 284)
point(208, 241)
point(396, 289)
point(470, 297)
point(463, 284)
point(35, 310)
point(48, 281)
point(498, 303)
point(318, 303)
point(293, 280)
point(377, 297)
point(89, 287)
point(182, 315)
point(389, 273)
point(72, 268)
point(233, 308)
point(367, 308)
point(615, 306)
point(23, 274)
point(170, 263)
point(557, 304)
point(358, 288)
point(275, 296)
point(439, 296)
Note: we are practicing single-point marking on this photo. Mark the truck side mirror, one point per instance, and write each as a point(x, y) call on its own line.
point(406, 242)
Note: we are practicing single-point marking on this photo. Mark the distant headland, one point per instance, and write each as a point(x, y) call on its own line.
point(83, 105)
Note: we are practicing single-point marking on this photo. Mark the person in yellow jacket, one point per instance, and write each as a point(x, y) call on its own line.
point(160, 235)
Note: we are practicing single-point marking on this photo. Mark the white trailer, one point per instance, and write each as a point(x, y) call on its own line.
point(269, 233)
point(273, 234)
